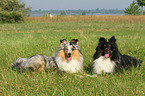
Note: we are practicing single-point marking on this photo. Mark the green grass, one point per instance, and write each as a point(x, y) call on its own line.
point(27, 39)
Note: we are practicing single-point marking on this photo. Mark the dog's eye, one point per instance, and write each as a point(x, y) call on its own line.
point(66, 48)
point(73, 49)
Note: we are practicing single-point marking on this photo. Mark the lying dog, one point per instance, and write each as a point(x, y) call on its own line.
point(107, 57)
point(35, 63)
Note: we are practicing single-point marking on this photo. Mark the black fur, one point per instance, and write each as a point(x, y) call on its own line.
point(74, 41)
point(110, 47)
point(61, 41)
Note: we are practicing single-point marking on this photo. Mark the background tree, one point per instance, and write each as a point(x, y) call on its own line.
point(133, 9)
point(141, 3)
point(63, 13)
point(83, 13)
point(13, 11)
point(97, 10)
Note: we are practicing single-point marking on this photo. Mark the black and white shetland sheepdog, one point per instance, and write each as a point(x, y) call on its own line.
point(69, 57)
point(108, 59)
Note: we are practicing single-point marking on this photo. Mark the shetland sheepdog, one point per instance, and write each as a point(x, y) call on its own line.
point(35, 63)
point(108, 59)
point(69, 57)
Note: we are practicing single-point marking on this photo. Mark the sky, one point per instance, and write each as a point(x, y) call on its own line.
point(77, 4)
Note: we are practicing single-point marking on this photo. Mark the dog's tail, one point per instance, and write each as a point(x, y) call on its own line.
point(136, 62)
point(16, 65)
point(130, 61)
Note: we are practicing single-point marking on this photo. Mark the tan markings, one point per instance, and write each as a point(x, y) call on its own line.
point(62, 42)
point(111, 52)
point(76, 43)
point(76, 55)
point(66, 48)
point(62, 54)
point(66, 51)
point(41, 67)
point(100, 54)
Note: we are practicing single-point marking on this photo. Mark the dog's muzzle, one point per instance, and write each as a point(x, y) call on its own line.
point(107, 53)
point(69, 57)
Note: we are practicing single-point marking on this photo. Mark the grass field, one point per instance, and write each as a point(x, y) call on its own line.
point(41, 35)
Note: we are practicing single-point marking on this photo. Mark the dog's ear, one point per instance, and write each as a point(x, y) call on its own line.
point(63, 41)
point(75, 41)
point(112, 39)
point(102, 39)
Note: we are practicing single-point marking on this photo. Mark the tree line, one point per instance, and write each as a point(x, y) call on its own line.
point(78, 12)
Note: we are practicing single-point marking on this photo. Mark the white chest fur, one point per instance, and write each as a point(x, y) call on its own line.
point(74, 66)
point(103, 64)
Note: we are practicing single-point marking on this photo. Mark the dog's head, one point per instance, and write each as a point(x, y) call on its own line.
point(69, 47)
point(107, 48)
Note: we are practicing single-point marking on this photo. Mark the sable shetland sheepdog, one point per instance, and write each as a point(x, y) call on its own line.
point(108, 59)
point(35, 63)
point(68, 56)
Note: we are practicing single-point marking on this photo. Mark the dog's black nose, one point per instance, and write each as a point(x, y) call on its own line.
point(69, 54)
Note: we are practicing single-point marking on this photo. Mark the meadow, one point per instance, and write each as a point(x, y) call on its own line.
point(41, 35)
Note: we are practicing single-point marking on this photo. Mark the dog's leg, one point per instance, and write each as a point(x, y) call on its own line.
point(56, 66)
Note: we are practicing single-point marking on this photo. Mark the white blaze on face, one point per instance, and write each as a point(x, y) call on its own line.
point(69, 48)
point(69, 52)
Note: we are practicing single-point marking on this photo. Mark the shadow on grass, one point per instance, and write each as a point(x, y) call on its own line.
point(88, 69)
